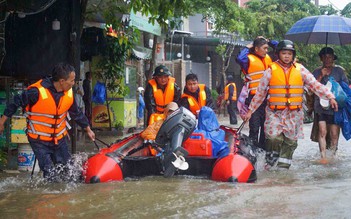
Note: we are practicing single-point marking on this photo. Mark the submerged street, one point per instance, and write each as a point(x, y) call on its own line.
point(307, 190)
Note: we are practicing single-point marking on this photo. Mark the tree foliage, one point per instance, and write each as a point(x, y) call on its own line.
point(120, 39)
point(229, 21)
point(269, 18)
point(227, 15)
point(163, 12)
point(327, 10)
point(346, 12)
point(273, 18)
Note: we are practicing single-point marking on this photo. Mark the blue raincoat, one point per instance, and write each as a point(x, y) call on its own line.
point(141, 107)
point(343, 116)
point(208, 125)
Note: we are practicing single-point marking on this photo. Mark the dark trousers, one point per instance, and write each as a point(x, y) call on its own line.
point(49, 154)
point(87, 105)
point(256, 125)
point(231, 111)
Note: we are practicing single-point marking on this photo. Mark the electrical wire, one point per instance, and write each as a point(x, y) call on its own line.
point(334, 5)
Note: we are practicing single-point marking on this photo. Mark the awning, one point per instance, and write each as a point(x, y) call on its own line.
point(142, 52)
point(206, 41)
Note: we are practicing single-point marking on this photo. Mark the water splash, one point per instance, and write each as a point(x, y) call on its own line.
point(65, 178)
point(70, 172)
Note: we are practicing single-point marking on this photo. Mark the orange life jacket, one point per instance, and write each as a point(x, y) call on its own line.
point(255, 71)
point(155, 117)
point(45, 120)
point(285, 89)
point(161, 99)
point(196, 104)
point(226, 92)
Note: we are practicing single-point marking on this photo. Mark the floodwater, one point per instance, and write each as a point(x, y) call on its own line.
point(307, 190)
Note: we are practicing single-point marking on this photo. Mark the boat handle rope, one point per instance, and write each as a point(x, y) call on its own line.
point(241, 127)
point(97, 146)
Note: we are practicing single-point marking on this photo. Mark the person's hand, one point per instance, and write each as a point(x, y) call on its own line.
point(80, 92)
point(333, 104)
point(247, 116)
point(309, 112)
point(326, 71)
point(90, 133)
point(242, 116)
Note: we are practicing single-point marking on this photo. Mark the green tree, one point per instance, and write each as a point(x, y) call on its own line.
point(228, 19)
point(165, 13)
point(273, 18)
point(327, 10)
point(346, 12)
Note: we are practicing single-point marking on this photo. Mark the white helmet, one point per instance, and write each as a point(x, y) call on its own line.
point(140, 89)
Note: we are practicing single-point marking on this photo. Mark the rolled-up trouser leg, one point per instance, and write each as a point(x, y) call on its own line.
point(273, 146)
point(286, 152)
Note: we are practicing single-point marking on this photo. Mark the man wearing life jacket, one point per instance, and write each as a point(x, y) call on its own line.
point(49, 104)
point(160, 91)
point(324, 116)
point(230, 98)
point(254, 60)
point(195, 95)
point(284, 83)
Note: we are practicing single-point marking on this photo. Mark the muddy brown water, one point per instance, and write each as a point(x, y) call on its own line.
point(307, 190)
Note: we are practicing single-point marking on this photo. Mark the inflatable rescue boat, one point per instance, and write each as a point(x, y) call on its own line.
point(130, 157)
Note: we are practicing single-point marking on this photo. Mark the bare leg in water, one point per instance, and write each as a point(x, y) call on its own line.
point(334, 135)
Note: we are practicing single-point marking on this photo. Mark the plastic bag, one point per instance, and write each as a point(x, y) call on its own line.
point(242, 107)
point(340, 95)
point(346, 88)
point(209, 126)
point(99, 94)
point(342, 118)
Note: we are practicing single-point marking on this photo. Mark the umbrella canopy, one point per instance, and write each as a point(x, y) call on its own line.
point(323, 29)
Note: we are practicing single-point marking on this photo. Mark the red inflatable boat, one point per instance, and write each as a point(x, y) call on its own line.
point(130, 157)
